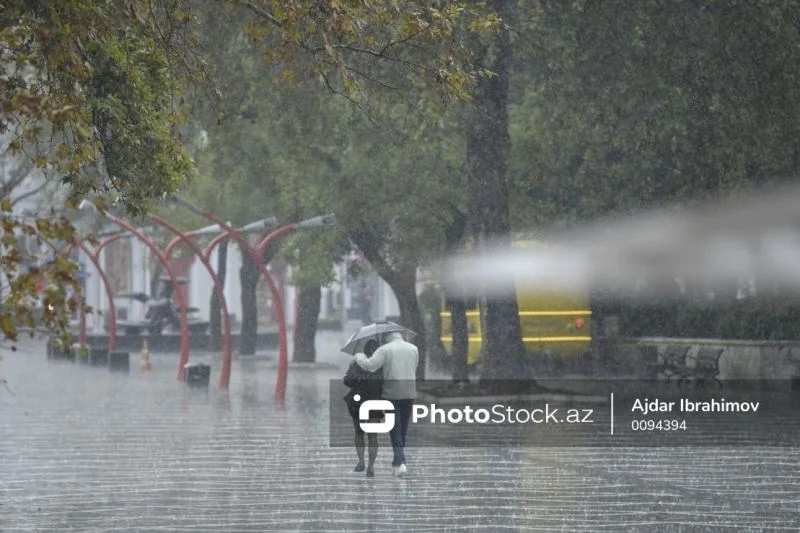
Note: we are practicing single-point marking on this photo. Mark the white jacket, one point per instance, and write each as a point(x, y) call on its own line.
point(399, 360)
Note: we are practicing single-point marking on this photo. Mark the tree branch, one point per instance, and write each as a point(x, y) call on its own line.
point(399, 41)
point(261, 12)
point(358, 105)
point(30, 193)
point(18, 175)
point(369, 246)
point(373, 53)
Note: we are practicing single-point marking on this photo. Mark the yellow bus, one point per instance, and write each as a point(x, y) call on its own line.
point(554, 321)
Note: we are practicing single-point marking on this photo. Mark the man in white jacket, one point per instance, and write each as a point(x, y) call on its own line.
point(399, 360)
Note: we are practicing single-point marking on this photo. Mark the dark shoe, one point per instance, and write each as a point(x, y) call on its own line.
point(359, 467)
point(370, 472)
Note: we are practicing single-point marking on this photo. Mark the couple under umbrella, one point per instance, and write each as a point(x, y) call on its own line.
point(384, 369)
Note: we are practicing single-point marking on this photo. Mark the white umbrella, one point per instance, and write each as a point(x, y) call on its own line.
point(375, 330)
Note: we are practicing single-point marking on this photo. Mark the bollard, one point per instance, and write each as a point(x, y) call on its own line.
point(196, 374)
point(98, 357)
point(119, 361)
point(69, 353)
point(55, 351)
point(144, 363)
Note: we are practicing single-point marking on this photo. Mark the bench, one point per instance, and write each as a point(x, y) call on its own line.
point(673, 364)
point(706, 368)
point(707, 365)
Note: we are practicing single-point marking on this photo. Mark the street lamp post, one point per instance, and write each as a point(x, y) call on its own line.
point(89, 206)
point(225, 374)
point(258, 226)
point(283, 360)
point(257, 254)
point(253, 252)
point(229, 231)
point(94, 257)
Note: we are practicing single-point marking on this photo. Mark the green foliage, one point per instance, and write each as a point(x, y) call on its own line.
point(622, 105)
point(22, 306)
point(87, 92)
point(392, 172)
point(776, 319)
point(346, 45)
point(90, 92)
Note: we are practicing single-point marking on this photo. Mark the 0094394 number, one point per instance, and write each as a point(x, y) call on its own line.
point(658, 425)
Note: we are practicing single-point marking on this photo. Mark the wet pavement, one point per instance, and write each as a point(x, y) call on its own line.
point(85, 449)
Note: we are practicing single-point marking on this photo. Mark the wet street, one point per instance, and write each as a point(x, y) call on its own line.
point(85, 449)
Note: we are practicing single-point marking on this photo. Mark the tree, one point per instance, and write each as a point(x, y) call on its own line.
point(99, 81)
point(312, 255)
point(14, 180)
point(348, 45)
point(306, 321)
point(87, 94)
point(300, 149)
point(487, 146)
point(456, 304)
point(620, 107)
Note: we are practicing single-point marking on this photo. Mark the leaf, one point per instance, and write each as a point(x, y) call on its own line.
point(44, 226)
point(289, 76)
point(62, 151)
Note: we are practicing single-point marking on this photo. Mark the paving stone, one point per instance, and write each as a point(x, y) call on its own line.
point(90, 450)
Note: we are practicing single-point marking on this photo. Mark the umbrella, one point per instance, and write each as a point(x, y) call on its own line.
point(374, 330)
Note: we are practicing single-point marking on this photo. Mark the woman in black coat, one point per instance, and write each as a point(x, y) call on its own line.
point(368, 386)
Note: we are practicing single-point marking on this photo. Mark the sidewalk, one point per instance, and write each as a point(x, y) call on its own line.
point(90, 450)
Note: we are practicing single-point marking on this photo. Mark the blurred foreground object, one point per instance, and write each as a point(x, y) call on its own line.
point(721, 243)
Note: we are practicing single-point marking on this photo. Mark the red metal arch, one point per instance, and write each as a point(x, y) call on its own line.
point(112, 320)
point(225, 374)
point(184, 356)
point(277, 301)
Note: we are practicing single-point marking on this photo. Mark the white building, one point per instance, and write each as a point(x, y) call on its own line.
point(137, 277)
point(336, 300)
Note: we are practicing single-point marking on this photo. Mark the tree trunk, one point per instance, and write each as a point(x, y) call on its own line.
point(454, 237)
point(487, 162)
point(402, 280)
point(460, 332)
point(305, 330)
point(215, 318)
point(430, 301)
point(404, 286)
point(249, 275)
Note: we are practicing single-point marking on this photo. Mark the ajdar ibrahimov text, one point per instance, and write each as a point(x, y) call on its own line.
point(647, 406)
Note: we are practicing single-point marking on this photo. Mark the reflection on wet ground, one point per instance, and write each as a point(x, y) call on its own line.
point(89, 450)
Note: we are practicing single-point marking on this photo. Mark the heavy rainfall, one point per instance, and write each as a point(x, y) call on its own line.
point(248, 247)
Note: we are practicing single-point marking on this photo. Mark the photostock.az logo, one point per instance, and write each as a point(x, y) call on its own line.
point(369, 406)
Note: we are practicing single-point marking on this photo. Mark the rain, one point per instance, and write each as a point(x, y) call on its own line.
point(377, 267)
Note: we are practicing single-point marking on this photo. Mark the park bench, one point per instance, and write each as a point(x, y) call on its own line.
point(707, 365)
point(706, 368)
point(673, 364)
